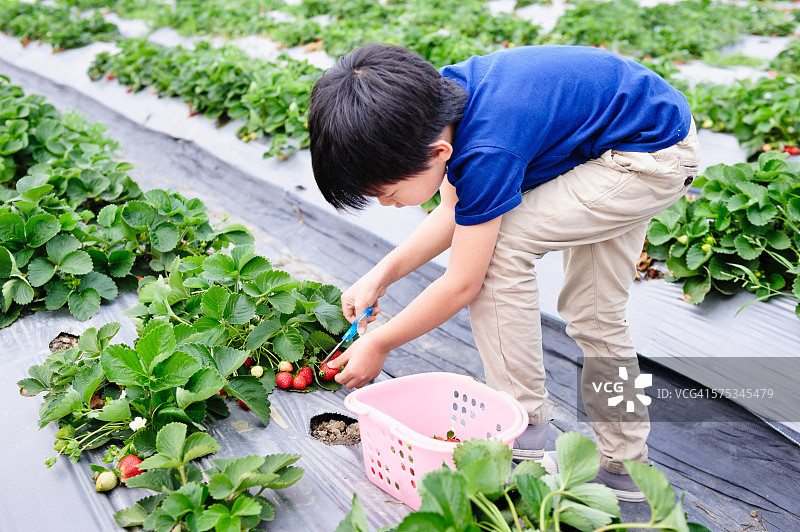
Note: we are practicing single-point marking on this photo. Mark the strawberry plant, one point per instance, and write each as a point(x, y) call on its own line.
point(789, 59)
point(239, 302)
point(60, 27)
point(764, 114)
point(743, 232)
point(223, 83)
point(483, 493)
point(682, 30)
point(185, 500)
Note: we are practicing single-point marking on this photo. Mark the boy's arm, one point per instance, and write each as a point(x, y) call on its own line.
point(471, 251)
point(429, 239)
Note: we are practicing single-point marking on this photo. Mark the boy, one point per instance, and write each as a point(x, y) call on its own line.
point(533, 149)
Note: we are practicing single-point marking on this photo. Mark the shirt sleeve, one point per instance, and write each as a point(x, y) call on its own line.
point(488, 182)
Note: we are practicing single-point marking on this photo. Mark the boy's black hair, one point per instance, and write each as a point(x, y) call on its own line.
point(373, 116)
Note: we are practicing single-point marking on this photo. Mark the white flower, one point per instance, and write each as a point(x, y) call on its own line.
point(137, 423)
point(123, 394)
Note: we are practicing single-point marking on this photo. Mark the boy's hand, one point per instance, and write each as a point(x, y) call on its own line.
point(364, 293)
point(364, 361)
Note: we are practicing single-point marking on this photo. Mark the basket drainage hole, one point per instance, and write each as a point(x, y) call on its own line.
point(335, 429)
point(63, 341)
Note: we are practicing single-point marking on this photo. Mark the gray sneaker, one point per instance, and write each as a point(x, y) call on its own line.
point(622, 485)
point(530, 444)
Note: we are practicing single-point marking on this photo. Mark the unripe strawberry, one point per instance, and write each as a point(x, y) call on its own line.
point(307, 375)
point(299, 383)
point(285, 366)
point(706, 248)
point(257, 371)
point(283, 379)
point(708, 123)
point(683, 239)
point(106, 481)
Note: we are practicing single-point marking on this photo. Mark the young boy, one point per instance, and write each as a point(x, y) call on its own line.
point(533, 149)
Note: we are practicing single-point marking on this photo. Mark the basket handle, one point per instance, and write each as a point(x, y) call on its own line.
point(356, 406)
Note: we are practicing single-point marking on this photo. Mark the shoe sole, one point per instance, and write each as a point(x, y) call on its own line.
point(629, 496)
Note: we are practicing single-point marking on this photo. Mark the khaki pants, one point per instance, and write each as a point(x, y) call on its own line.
point(597, 213)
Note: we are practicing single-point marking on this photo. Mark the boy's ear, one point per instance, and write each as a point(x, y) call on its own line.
point(441, 150)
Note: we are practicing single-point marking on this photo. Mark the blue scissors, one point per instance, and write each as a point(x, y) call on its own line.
point(350, 332)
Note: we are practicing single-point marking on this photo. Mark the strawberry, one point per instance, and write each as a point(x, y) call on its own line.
point(326, 372)
point(129, 467)
point(222, 392)
point(106, 481)
point(336, 354)
point(243, 405)
point(283, 379)
point(256, 371)
point(794, 150)
point(285, 366)
point(299, 383)
point(307, 375)
point(129, 89)
point(248, 362)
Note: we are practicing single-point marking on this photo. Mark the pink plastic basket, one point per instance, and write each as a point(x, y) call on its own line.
point(399, 417)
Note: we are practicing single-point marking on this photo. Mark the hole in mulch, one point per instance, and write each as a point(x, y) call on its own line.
point(335, 429)
point(63, 341)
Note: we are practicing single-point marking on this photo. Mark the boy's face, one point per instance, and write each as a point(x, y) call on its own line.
point(415, 190)
point(421, 187)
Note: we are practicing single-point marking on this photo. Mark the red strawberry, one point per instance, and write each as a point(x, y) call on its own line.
point(129, 467)
point(248, 362)
point(26, 42)
point(794, 150)
point(336, 354)
point(283, 379)
point(129, 89)
point(222, 392)
point(307, 375)
point(326, 372)
point(299, 383)
point(285, 366)
point(241, 403)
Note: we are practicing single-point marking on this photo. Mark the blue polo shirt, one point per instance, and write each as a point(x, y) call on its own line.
point(534, 112)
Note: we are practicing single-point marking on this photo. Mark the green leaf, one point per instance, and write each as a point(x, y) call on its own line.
point(444, 491)
point(776, 239)
point(289, 345)
point(486, 464)
point(220, 486)
point(697, 287)
point(197, 445)
point(138, 214)
point(227, 359)
point(120, 262)
point(59, 406)
point(424, 522)
point(654, 485)
point(116, 410)
point(658, 233)
point(77, 263)
point(578, 461)
point(57, 295)
point(696, 257)
point(165, 237)
point(355, 520)
point(84, 305)
point(12, 228)
point(219, 266)
point(533, 491)
point(583, 517)
point(157, 480)
point(17, 290)
point(761, 215)
point(746, 248)
point(331, 317)
point(41, 228)
point(60, 246)
point(104, 285)
point(156, 344)
point(170, 441)
point(239, 309)
point(243, 506)
point(677, 267)
point(213, 301)
point(596, 496)
point(261, 333)
point(8, 266)
point(202, 385)
point(40, 271)
point(123, 366)
point(133, 516)
point(251, 392)
point(173, 371)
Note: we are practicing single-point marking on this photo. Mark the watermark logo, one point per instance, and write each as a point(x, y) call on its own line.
point(643, 381)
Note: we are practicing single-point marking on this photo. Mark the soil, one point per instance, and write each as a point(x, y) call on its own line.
point(64, 341)
point(335, 429)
